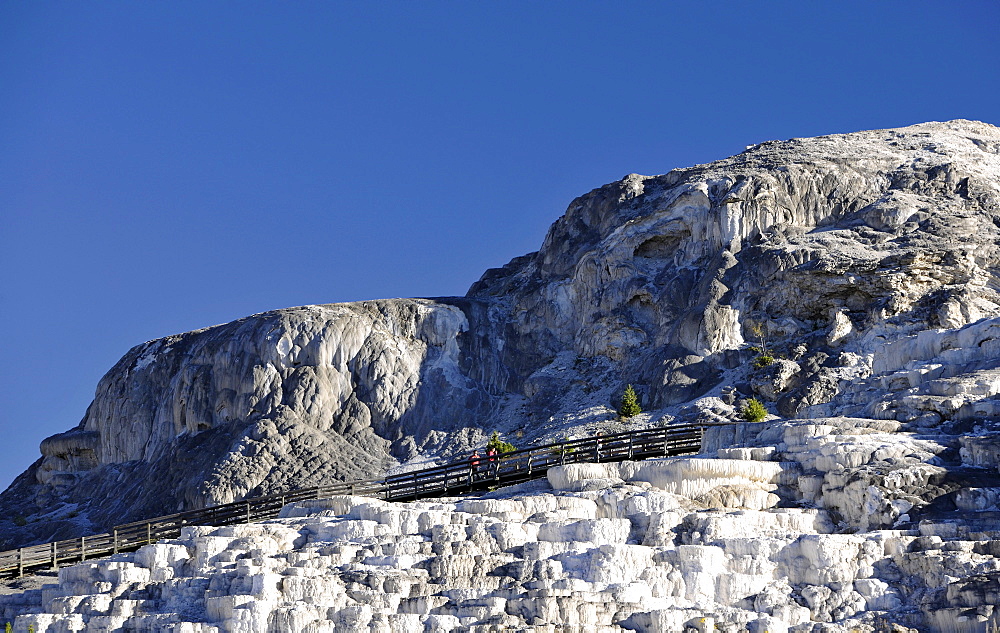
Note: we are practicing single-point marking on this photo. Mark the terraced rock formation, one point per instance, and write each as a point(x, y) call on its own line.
point(862, 268)
point(747, 537)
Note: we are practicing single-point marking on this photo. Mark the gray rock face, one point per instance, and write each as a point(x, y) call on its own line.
point(280, 400)
point(831, 243)
point(838, 249)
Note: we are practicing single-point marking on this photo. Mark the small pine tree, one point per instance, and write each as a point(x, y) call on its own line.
point(630, 403)
point(764, 357)
point(499, 445)
point(758, 329)
point(754, 411)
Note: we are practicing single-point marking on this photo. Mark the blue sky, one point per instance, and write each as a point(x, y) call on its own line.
point(169, 166)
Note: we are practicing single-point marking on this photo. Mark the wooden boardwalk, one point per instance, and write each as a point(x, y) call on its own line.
point(451, 479)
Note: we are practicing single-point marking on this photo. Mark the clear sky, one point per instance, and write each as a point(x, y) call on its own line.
point(166, 166)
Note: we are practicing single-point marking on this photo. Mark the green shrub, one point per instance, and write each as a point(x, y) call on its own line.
point(753, 411)
point(762, 361)
point(563, 449)
point(499, 445)
point(630, 403)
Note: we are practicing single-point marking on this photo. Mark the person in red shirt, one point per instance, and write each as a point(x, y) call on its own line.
point(473, 464)
point(492, 455)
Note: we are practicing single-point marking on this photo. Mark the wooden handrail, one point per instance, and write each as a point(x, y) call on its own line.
point(460, 476)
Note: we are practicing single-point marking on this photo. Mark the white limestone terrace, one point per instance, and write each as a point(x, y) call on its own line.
point(792, 526)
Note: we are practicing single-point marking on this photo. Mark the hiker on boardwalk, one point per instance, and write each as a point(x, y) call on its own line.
point(473, 465)
point(597, 447)
point(493, 465)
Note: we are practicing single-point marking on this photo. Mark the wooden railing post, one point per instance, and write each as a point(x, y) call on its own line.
point(20, 561)
point(248, 512)
point(630, 436)
point(83, 548)
point(114, 534)
point(149, 532)
point(55, 559)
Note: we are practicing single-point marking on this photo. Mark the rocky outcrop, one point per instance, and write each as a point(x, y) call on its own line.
point(859, 262)
point(833, 244)
point(275, 401)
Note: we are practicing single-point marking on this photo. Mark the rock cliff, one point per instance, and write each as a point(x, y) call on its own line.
point(863, 264)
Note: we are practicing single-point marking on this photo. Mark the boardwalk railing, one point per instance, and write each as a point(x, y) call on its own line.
point(455, 478)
